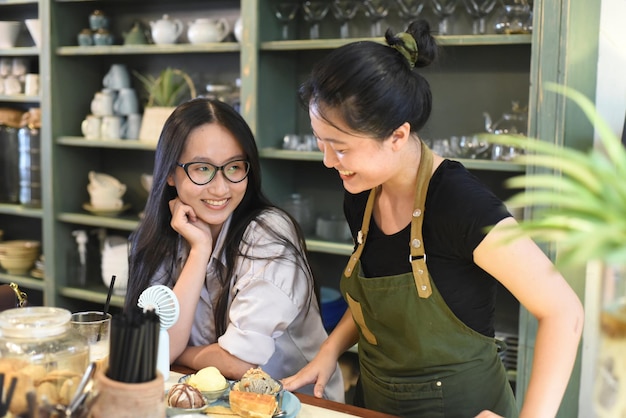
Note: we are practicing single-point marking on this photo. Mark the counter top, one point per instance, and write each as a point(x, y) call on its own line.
point(312, 407)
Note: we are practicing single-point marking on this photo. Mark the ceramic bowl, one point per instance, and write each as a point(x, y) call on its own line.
point(9, 30)
point(34, 28)
point(20, 248)
point(210, 395)
point(171, 411)
point(106, 181)
point(17, 265)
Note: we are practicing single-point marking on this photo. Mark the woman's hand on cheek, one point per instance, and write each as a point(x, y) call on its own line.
point(188, 225)
point(487, 414)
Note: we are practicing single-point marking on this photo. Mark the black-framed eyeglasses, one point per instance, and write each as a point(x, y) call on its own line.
point(202, 173)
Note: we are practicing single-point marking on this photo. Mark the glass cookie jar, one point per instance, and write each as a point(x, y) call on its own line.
point(38, 347)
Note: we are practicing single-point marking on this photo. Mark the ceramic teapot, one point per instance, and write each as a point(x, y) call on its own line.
point(514, 122)
point(238, 29)
point(136, 35)
point(166, 30)
point(204, 30)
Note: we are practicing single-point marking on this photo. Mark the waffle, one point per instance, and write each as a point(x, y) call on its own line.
point(254, 405)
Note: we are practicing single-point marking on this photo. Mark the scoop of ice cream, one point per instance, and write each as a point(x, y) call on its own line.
point(207, 379)
point(182, 395)
point(258, 381)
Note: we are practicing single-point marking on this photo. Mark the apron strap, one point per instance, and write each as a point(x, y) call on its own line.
point(360, 239)
point(418, 255)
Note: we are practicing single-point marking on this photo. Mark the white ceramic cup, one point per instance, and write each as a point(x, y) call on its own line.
point(117, 77)
point(12, 85)
point(133, 126)
point(91, 127)
point(5, 66)
point(126, 102)
point(19, 66)
point(111, 127)
point(31, 84)
point(102, 103)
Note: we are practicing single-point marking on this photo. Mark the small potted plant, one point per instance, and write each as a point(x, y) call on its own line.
point(164, 93)
point(579, 203)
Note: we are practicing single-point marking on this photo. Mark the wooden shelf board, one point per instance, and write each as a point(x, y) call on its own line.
point(453, 40)
point(21, 51)
point(215, 47)
point(91, 293)
point(491, 165)
point(22, 281)
point(19, 98)
point(79, 141)
point(19, 210)
point(123, 222)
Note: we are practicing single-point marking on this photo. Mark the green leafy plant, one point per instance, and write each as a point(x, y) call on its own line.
point(580, 203)
point(168, 89)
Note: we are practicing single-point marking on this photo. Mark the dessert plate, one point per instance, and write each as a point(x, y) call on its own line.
point(291, 404)
point(105, 212)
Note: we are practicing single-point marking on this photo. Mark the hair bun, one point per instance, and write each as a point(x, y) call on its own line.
point(404, 43)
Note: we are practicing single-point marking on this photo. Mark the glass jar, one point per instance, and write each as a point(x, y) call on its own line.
point(9, 170)
point(29, 163)
point(301, 208)
point(38, 347)
point(610, 379)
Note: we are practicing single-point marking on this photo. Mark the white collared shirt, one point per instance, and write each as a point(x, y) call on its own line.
point(273, 320)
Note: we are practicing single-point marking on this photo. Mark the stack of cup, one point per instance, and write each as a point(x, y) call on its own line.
point(105, 191)
point(15, 78)
point(114, 109)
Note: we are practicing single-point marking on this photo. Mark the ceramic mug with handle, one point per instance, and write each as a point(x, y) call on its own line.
point(91, 127)
point(112, 127)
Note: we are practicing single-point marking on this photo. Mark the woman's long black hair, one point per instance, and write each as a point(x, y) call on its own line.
point(154, 244)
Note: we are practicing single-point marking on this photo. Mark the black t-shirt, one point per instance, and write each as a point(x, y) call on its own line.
point(458, 209)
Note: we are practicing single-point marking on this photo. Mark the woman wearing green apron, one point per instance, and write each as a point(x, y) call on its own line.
point(429, 252)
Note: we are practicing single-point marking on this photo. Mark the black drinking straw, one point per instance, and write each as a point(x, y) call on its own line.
point(108, 302)
point(106, 307)
point(134, 342)
point(136, 349)
point(116, 355)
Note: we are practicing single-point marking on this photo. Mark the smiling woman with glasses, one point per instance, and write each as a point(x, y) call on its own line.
point(236, 262)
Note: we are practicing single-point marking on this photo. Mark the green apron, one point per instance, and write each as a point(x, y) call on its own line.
point(417, 358)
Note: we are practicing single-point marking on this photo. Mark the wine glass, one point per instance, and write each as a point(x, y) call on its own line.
point(376, 10)
point(444, 9)
point(344, 11)
point(285, 12)
point(479, 10)
point(314, 12)
point(410, 10)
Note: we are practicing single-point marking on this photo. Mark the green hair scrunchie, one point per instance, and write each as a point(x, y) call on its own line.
point(407, 47)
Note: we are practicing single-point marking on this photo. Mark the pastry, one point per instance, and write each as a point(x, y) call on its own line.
point(254, 405)
point(258, 381)
point(182, 395)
